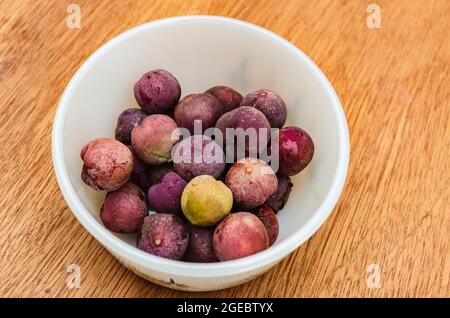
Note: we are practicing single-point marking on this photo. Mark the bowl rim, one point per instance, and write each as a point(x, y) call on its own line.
point(221, 269)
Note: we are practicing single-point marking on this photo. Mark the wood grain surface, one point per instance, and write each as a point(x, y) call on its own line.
point(394, 86)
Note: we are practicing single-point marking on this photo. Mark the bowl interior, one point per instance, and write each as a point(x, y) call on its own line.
point(203, 53)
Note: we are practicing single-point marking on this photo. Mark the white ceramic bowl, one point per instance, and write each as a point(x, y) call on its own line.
point(203, 51)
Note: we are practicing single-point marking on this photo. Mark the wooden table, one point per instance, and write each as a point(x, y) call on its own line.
point(391, 227)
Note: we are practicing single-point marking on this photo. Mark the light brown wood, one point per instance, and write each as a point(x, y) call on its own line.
point(394, 86)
